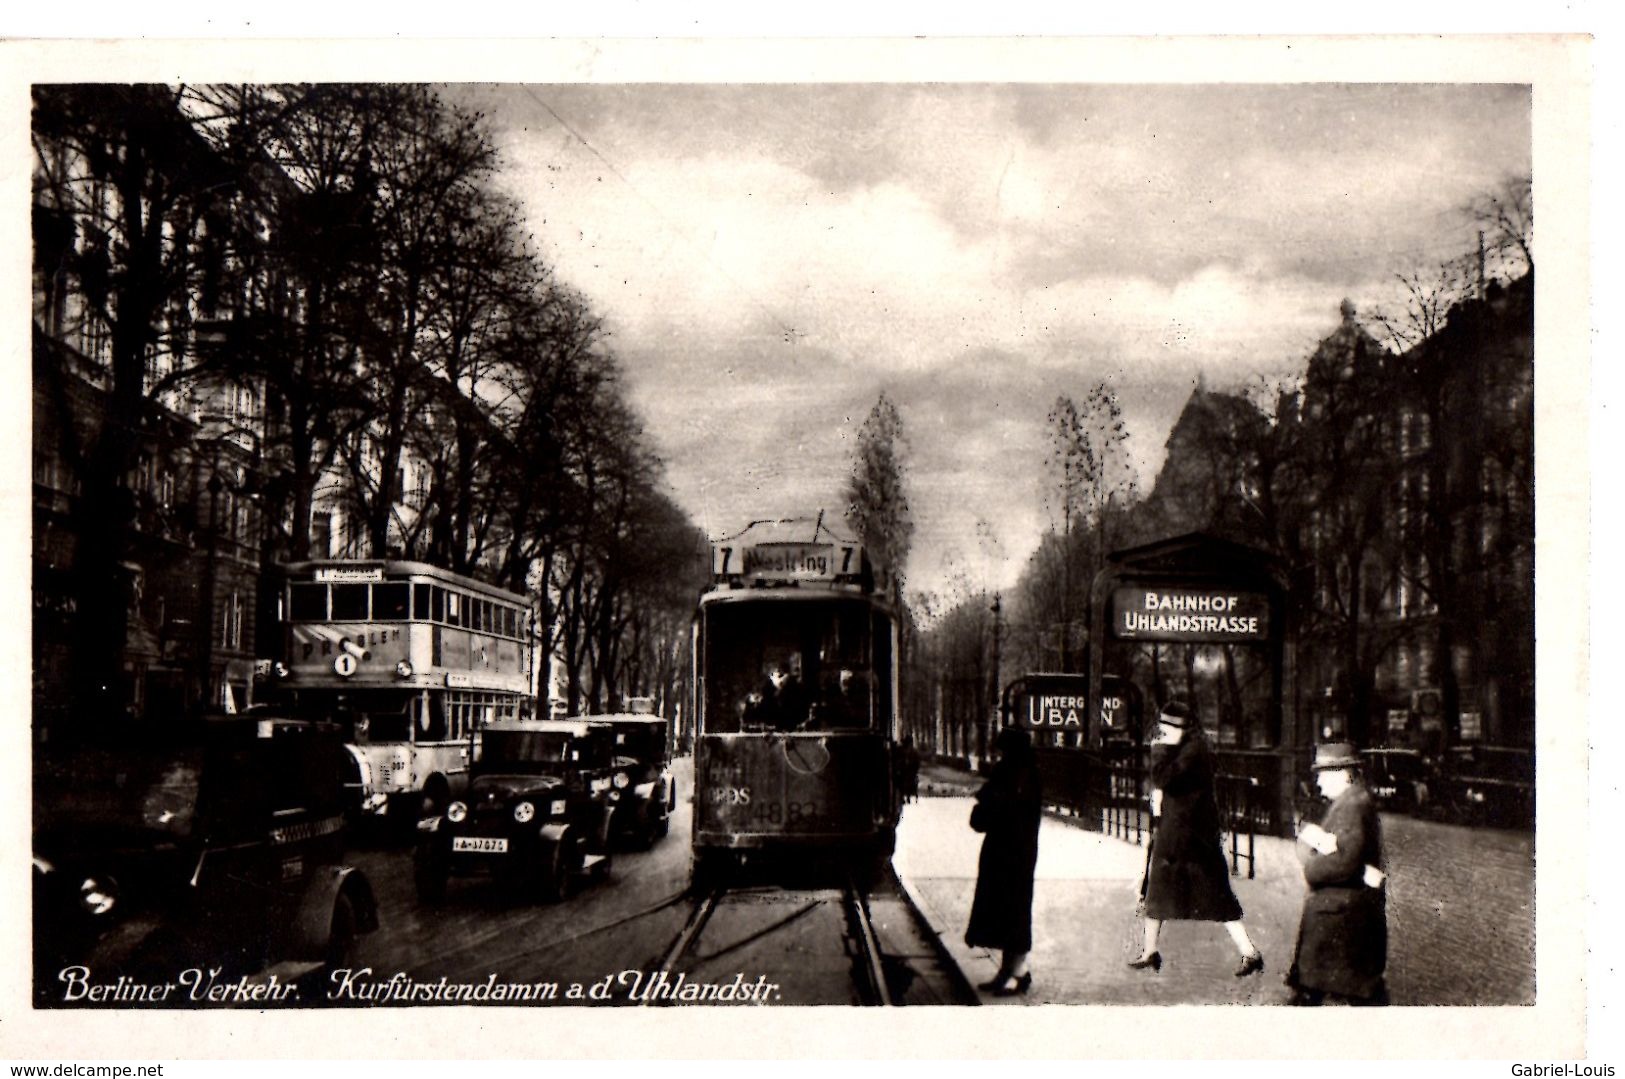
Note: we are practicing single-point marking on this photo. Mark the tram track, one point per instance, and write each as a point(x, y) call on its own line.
point(821, 943)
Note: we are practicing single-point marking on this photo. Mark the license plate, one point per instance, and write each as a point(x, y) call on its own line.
point(479, 844)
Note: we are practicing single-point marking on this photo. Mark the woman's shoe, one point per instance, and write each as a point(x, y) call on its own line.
point(1017, 988)
point(1154, 961)
point(1250, 964)
point(994, 984)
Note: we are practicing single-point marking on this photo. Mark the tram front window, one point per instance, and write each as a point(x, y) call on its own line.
point(800, 666)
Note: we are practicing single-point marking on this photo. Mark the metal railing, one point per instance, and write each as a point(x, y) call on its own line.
point(1244, 814)
point(1107, 791)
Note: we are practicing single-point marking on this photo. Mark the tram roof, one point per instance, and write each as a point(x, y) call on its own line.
point(644, 718)
point(790, 530)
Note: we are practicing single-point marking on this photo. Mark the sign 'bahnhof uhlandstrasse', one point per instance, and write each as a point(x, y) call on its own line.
point(1188, 614)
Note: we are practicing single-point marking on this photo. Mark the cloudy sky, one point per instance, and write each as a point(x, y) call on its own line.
point(769, 259)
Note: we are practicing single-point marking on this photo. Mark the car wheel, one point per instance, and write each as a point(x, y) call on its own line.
point(429, 874)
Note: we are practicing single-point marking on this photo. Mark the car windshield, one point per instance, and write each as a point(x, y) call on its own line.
point(131, 791)
point(645, 741)
point(525, 751)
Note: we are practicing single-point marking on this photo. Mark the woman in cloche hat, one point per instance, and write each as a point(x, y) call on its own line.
point(1343, 935)
point(1186, 875)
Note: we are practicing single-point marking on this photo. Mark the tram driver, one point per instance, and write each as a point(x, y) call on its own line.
point(781, 702)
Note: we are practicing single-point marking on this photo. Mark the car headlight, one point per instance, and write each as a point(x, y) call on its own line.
point(621, 780)
point(523, 812)
point(456, 812)
point(98, 895)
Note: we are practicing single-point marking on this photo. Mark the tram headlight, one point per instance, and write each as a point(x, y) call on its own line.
point(98, 895)
point(403, 669)
point(456, 812)
point(523, 812)
point(621, 781)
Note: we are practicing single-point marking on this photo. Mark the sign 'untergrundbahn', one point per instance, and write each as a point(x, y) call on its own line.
point(1189, 614)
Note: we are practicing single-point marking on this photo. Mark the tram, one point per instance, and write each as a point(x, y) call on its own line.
point(795, 686)
point(411, 659)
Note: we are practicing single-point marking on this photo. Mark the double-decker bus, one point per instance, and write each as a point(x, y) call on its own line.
point(796, 689)
point(412, 659)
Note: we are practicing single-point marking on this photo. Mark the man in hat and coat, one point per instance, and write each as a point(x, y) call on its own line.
point(1343, 934)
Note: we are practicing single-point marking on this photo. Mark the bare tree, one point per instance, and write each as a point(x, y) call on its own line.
point(877, 492)
point(1507, 214)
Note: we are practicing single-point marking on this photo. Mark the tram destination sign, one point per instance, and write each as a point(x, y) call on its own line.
point(785, 561)
point(1189, 614)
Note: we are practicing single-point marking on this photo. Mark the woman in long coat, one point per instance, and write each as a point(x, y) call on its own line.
point(1343, 934)
point(1008, 811)
point(1186, 875)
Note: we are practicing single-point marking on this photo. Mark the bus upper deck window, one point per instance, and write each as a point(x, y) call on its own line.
point(307, 602)
point(390, 601)
point(350, 601)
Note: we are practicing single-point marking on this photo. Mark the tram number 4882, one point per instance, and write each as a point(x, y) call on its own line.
point(787, 813)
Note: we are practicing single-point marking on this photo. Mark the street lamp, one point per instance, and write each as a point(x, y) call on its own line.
point(205, 612)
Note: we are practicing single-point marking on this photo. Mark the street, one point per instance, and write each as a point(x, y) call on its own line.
point(603, 927)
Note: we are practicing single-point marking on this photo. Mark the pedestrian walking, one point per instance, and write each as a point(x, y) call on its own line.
point(911, 771)
point(1008, 811)
point(1342, 947)
point(1186, 877)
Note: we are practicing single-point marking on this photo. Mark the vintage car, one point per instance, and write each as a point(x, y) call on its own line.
point(536, 813)
point(642, 791)
point(1488, 785)
point(1401, 780)
point(216, 845)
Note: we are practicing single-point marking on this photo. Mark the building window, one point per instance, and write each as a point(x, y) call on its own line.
point(232, 616)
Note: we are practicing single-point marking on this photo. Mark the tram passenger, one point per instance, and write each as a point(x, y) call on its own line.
point(1186, 876)
point(1009, 808)
point(846, 703)
point(1342, 945)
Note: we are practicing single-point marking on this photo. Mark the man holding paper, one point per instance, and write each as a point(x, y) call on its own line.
point(1343, 934)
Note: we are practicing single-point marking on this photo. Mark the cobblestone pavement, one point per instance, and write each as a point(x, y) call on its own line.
point(1461, 913)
